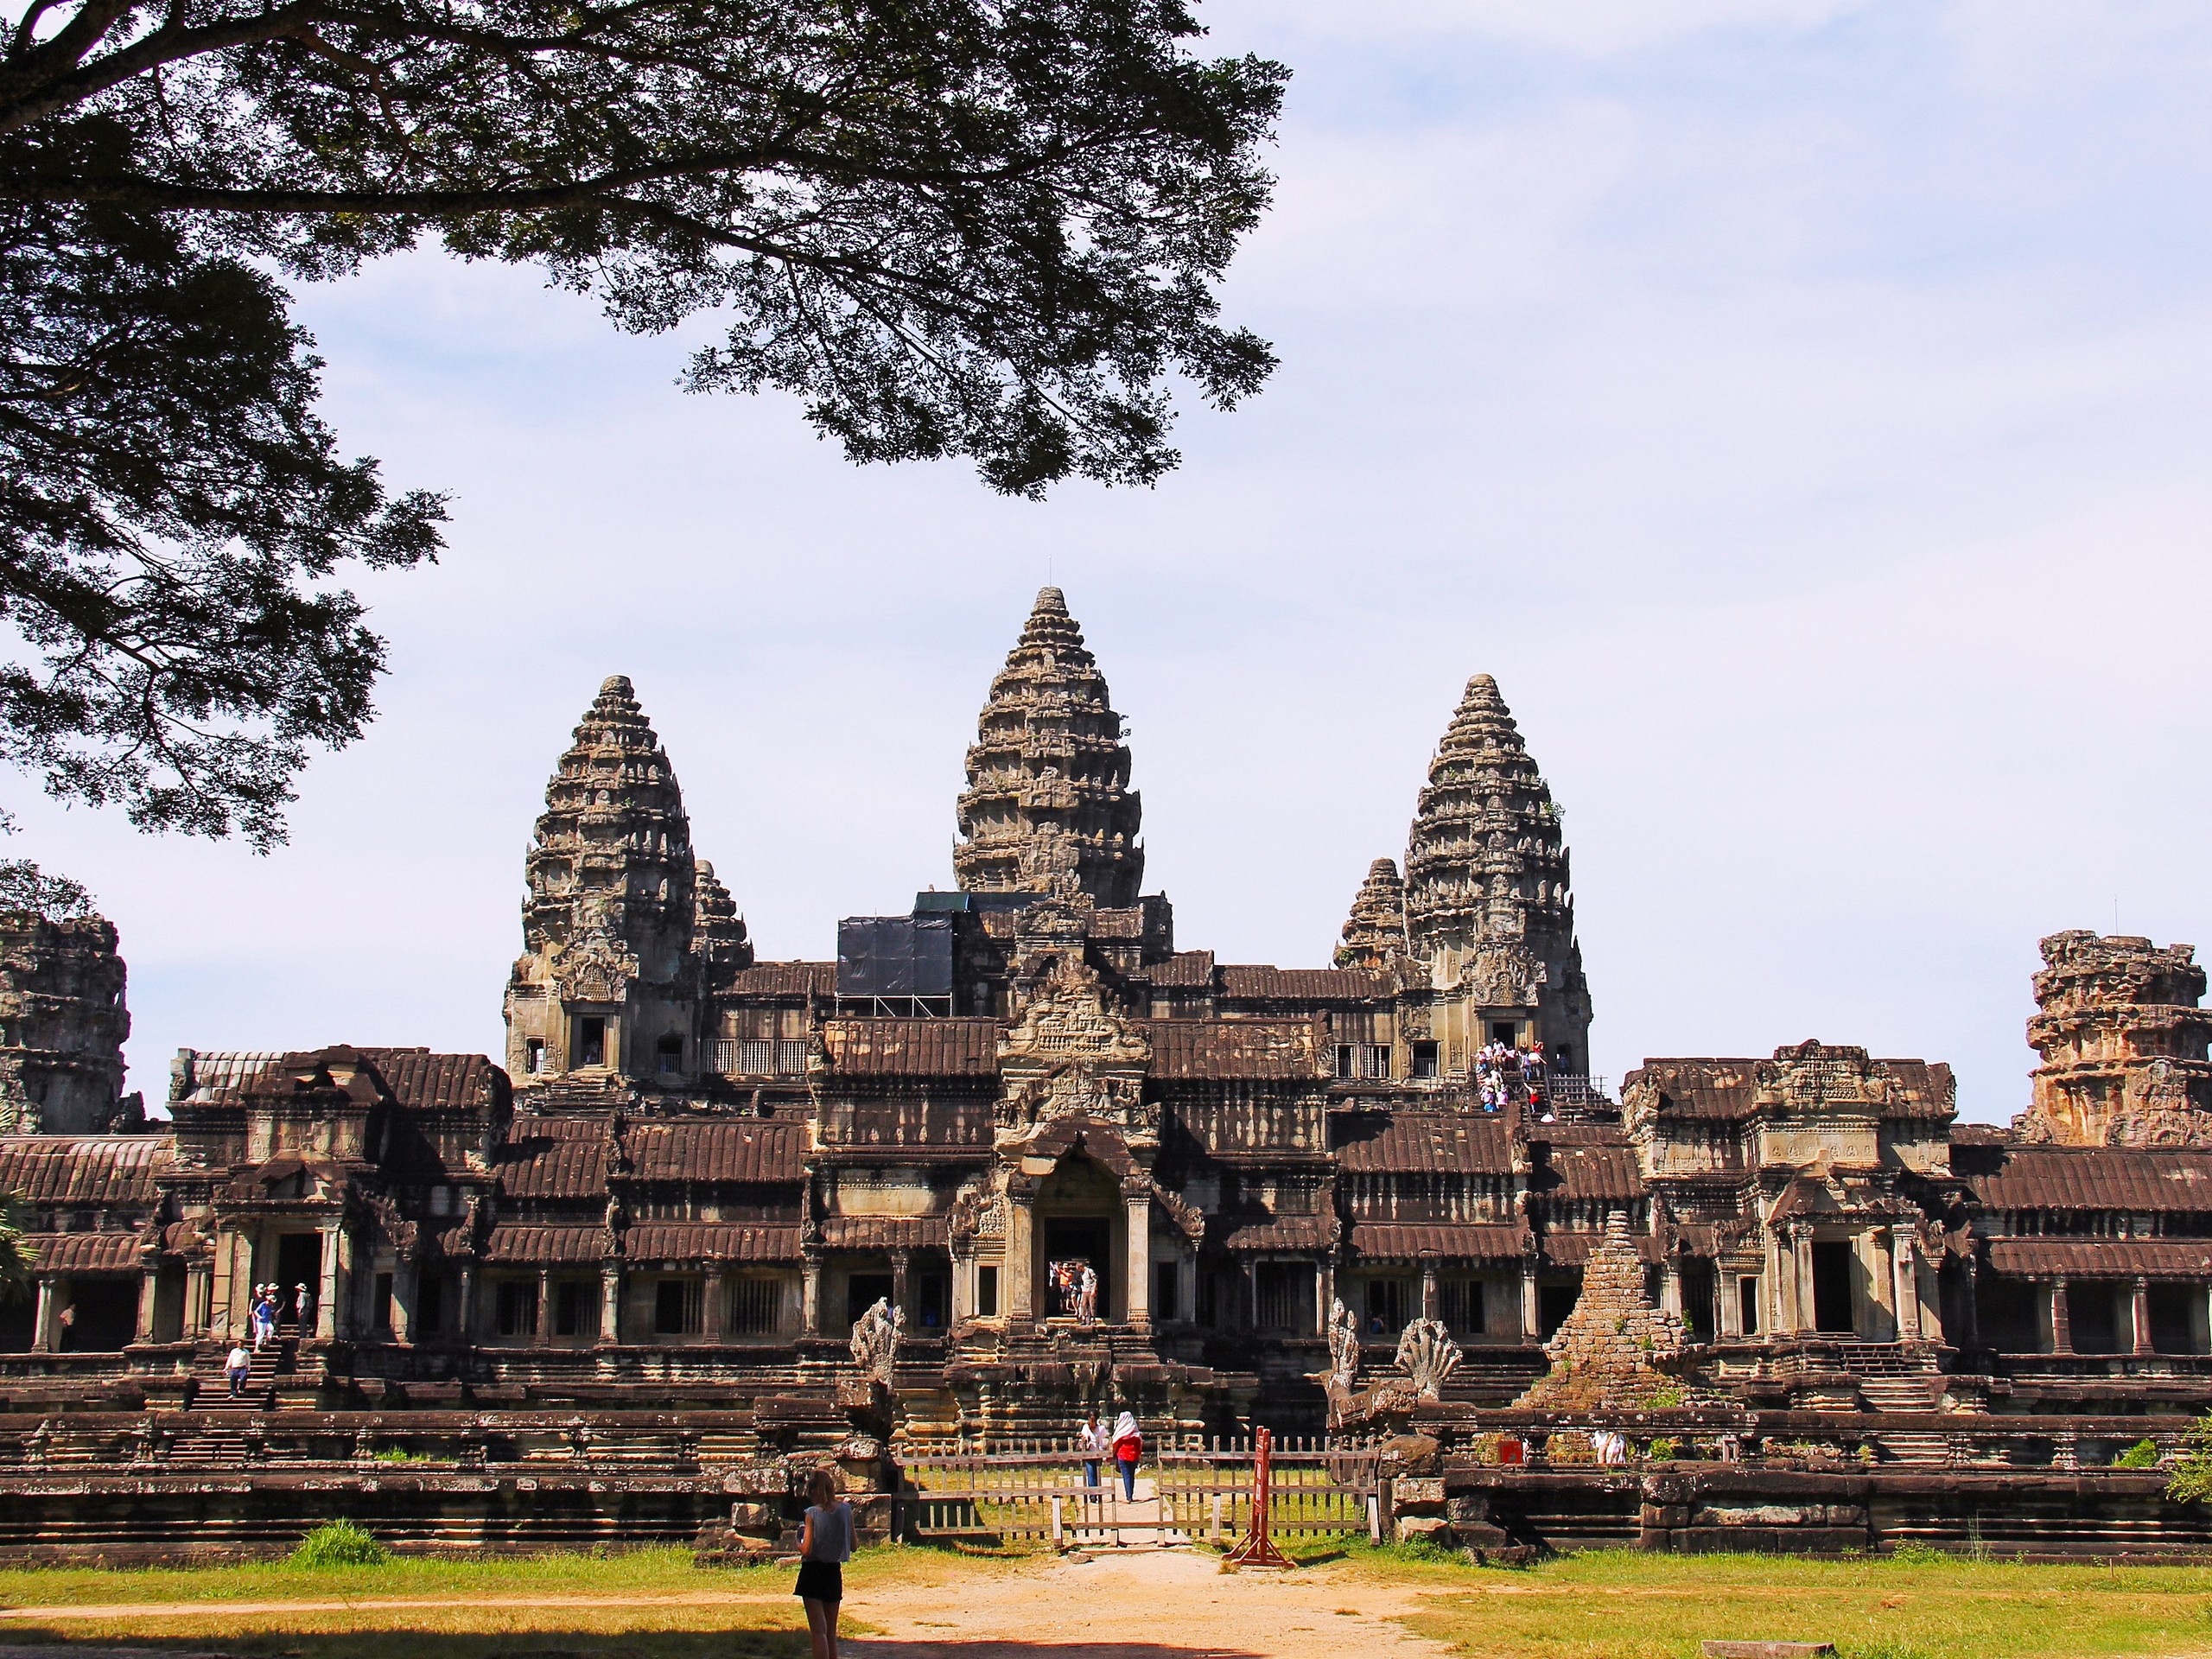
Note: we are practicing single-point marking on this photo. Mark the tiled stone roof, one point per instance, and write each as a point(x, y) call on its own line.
point(1424, 1141)
point(940, 1048)
point(1274, 1050)
point(1467, 1242)
point(709, 1241)
point(2103, 1258)
point(93, 1169)
point(81, 1252)
point(2096, 1178)
point(1258, 982)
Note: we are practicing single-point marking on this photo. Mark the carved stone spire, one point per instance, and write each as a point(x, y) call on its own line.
point(718, 935)
point(1048, 808)
point(1487, 900)
point(1375, 933)
point(607, 924)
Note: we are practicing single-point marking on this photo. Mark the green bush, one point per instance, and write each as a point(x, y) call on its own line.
point(1666, 1449)
point(1913, 1552)
point(340, 1543)
point(2144, 1454)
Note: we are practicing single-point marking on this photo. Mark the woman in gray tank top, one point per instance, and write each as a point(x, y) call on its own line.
point(825, 1544)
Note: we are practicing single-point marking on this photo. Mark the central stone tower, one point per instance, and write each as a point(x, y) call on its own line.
point(1048, 808)
point(1488, 908)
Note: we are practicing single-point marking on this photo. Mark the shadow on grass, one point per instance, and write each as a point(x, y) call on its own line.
point(46, 1644)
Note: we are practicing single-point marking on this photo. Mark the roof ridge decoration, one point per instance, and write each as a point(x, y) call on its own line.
point(1487, 862)
point(1375, 933)
point(1047, 808)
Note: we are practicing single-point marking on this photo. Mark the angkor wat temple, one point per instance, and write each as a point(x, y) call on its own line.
point(693, 1171)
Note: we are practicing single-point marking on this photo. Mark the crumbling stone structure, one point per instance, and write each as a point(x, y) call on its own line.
point(2123, 1043)
point(63, 1024)
point(1617, 1351)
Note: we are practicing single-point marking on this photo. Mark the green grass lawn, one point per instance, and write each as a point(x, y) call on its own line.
point(1624, 1604)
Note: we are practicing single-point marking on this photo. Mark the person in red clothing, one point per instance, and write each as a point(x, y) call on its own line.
point(1128, 1446)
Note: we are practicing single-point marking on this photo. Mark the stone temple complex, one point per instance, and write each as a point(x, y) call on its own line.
point(1080, 1161)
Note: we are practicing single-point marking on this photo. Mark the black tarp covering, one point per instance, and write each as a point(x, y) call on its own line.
point(895, 955)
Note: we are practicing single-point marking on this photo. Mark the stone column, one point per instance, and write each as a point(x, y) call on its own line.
point(1252, 1295)
point(2139, 1309)
point(1973, 1270)
point(465, 1321)
point(406, 1285)
point(1670, 1286)
point(1801, 1275)
point(1325, 1294)
point(1532, 1314)
point(150, 1290)
point(2061, 1317)
point(327, 1321)
point(1431, 1300)
point(1728, 1312)
point(542, 1330)
point(44, 1324)
point(901, 1275)
point(199, 1296)
point(1019, 1273)
point(1907, 1285)
point(716, 1312)
point(809, 1296)
point(610, 1302)
point(1136, 1298)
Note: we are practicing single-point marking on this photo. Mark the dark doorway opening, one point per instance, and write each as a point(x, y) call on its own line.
point(1285, 1292)
point(1554, 1304)
point(299, 1261)
point(1078, 1242)
point(1832, 1286)
point(2007, 1315)
point(19, 1321)
point(103, 1316)
point(1747, 1305)
point(932, 1299)
point(862, 1292)
point(1697, 1299)
point(2094, 1311)
point(2174, 1309)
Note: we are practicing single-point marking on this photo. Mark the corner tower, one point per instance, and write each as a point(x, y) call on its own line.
point(1048, 808)
point(605, 985)
point(2123, 1042)
point(1488, 906)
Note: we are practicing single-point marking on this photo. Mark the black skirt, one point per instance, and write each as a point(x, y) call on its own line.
point(820, 1581)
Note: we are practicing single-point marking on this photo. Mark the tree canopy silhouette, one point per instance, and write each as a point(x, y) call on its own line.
point(951, 228)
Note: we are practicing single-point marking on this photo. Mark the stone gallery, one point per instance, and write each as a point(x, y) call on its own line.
point(1042, 1156)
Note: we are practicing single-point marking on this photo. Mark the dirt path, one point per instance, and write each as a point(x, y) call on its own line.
point(1143, 1604)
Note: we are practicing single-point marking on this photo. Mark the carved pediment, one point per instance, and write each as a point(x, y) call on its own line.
point(1068, 1020)
point(595, 968)
point(1502, 975)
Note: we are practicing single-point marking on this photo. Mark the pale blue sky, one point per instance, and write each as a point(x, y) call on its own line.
point(1801, 408)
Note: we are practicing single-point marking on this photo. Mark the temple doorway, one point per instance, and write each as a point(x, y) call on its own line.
point(1076, 1222)
point(299, 1261)
point(1832, 1275)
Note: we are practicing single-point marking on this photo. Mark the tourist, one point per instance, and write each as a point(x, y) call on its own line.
point(237, 1367)
point(262, 1317)
point(1128, 1446)
point(304, 1309)
point(825, 1544)
point(1094, 1443)
point(1089, 1294)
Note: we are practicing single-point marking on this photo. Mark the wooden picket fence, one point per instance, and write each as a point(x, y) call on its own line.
point(1038, 1495)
